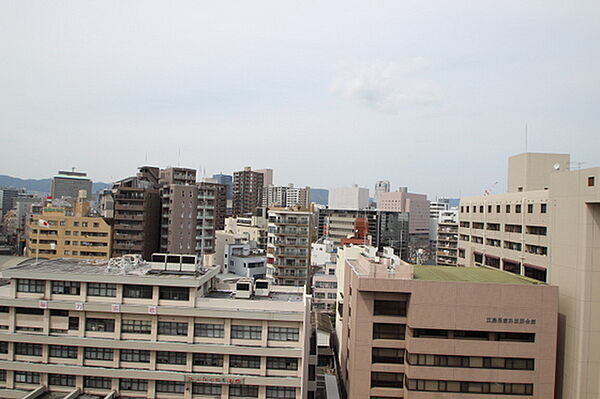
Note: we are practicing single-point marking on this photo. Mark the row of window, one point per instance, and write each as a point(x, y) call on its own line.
point(543, 208)
point(398, 332)
point(138, 385)
point(103, 289)
point(509, 228)
point(497, 388)
point(162, 357)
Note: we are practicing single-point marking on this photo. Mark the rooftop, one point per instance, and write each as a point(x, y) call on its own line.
point(470, 275)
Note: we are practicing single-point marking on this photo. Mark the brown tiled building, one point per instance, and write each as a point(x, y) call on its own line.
point(445, 332)
point(247, 191)
point(136, 223)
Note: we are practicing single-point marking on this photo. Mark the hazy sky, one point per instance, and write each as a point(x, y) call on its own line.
point(430, 95)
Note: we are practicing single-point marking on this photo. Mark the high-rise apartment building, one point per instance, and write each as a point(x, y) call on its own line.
point(158, 330)
point(77, 233)
point(247, 191)
point(67, 184)
point(381, 186)
point(417, 207)
point(285, 196)
point(547, 227)
point(445, 332)
point(447, 238)
point(227, 180)
point(254, 228)
point(136, 223)
point(6, 199)
point(288, 246)
point(351, 198)
point(267, 176)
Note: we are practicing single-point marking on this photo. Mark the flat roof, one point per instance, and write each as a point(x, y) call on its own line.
point(471, 275)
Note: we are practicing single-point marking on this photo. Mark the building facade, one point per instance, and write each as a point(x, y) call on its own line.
point(416, 205)
point(288, 246)
point(447, 238)
point(66, 184)
point(247, 191)
point(142, 332)
point(381, 186)
point(446, 332)
point(351, 198)
point(285, 196)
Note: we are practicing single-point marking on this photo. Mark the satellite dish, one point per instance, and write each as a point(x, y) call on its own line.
point(557, 166)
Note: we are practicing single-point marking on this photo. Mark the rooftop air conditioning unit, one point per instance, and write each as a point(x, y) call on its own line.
point(244, 288)
point(262, 288)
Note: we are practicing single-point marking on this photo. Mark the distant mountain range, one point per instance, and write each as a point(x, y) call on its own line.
point(40, 185)
point(319, 195)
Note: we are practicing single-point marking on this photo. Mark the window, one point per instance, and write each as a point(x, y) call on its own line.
point(389, 308)
point(283, 334)
point(100, 325)
point(170, 386)
point(246, 332)
point(498, 209)
point(37, 286)
point(66, 287)
point(97, 382)
point(132, 384)
point(507, 208)
point(206, 389)
point(591, 181)
point(3, 347)
point(102, 289)
point(73, 323)
point(136, 326)
point(172, 328)
point(388, 331)
point(208, 359)
point(209, 330)
point(98, 354)
point(386, 380)
point(515, 337)
point(171, 357)
point(543, 208)
point(387, 355)
point(135, 355)
point(529, 208)
point(61, 380)
point(34, 311)
point(281, 393)
point(536, 230)
point(246, 362)
point(59, 312)
point(137, 291)
point(243, 391)
point(174, 293)
point(513, 228)
point(536, 249)
point(282, 363)
point(469, 387)
point(22, 348)
point(518, 208)
point(27, 377)
point(63, 351)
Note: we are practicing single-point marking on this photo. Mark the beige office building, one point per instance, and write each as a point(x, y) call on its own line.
point(547, 226)
point(423, 332)
point(161, 330)
point(72, 233)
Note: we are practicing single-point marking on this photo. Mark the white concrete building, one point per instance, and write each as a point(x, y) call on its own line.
point(349, 198)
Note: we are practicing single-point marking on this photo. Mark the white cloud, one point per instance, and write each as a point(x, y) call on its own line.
point(389, 86)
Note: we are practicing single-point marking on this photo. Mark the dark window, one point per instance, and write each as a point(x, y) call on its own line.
point(37, 286)
point(136, 326)
point(389, 308)
point(63, 351)
point(100, 325)
point(35, 311)
point(281, 393)
point(515, 337)
point(208, 359)
point(469, 387)
point(58, 312)
point(98, 354)
point(61, 380)
point(170, 386)
point(591, 181)
point(246, 332)
point(97, 382)
point(66, 287)
point(386, 380)
point(172, 328)
point(209, 330)
point(26, 377)
point(171, 357)
point(135, 355)
point(543, 208)
point(282, 363)
point(137, 291)
point(174, 293)
point(388, 355)
point(507, 208)
point(206, 389)
point(283, 334)
point(22, 348)
point(243, 391)
point(246, 362)
point(388, 331)
point(518, 208)
point(3, 347)
point(529, 208)
point(73, 323)
point(132, 384)
point(102, 289)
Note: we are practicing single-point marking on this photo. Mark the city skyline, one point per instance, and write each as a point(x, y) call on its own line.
point(354, 94)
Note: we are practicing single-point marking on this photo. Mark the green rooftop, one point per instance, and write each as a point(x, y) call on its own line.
point(470, 275)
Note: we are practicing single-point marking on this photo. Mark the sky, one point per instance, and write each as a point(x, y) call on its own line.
point(433, 95)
